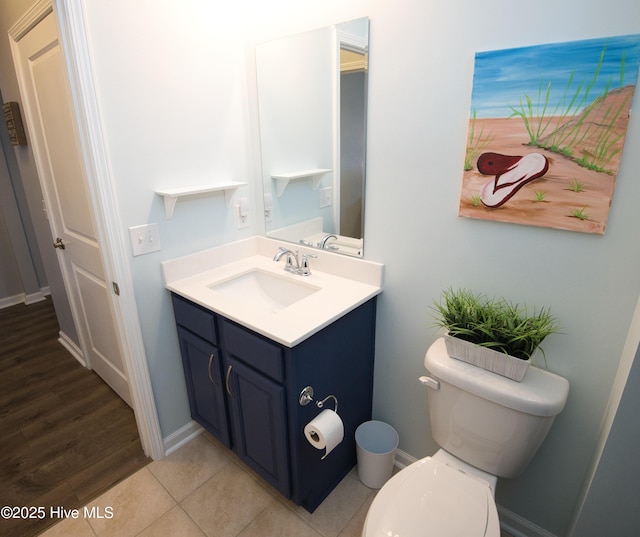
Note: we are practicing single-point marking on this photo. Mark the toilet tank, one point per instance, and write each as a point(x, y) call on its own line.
point(489, 421)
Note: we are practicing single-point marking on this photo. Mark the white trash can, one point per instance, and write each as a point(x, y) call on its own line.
point(376, 444)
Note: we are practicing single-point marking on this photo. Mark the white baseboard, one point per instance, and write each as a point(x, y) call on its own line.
point(23, 298)
point(180, 437)
point(32, 298)
point(513, 524)
point(9, 301)
point(520, 527)
point(403, 459)
point(73, 349)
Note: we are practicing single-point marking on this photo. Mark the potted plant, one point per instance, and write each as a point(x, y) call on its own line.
point(492, 333)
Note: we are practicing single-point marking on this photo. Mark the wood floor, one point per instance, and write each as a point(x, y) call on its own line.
point(65, 436)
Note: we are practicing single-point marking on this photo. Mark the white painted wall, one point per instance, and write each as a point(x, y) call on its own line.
point(171, 84)
point(173, 93)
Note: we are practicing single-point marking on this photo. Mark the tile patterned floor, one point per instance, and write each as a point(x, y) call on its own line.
point(203, 490)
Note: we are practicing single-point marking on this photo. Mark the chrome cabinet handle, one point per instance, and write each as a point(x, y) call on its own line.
point(227, 380)
point(211, 358)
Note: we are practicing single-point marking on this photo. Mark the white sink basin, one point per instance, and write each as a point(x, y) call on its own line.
point(241, 282)
point(264, 291)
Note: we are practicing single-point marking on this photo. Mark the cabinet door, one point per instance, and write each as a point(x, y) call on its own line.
point(258, 415)
point(203, 375)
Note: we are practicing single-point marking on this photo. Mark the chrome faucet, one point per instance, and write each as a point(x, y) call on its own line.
point(291, 257)
point(323, 243)
point(303, 270)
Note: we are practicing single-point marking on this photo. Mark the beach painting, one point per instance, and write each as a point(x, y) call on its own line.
point(546, 132)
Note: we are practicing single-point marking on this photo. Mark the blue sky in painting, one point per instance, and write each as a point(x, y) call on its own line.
point(502, 78)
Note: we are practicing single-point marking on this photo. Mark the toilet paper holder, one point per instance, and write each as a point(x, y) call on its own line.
point(306, 397)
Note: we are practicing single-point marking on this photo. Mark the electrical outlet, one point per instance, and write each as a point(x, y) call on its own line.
point(144, 239)
point(325, 197)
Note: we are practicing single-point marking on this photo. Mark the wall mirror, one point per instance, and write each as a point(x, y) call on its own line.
point(312, 100)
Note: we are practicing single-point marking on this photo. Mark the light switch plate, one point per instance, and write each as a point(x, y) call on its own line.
point(325, 197)
point(144, 239)
point(242, 213)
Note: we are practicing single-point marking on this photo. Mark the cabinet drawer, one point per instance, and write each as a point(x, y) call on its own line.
point(253, 350)
point(195, 319)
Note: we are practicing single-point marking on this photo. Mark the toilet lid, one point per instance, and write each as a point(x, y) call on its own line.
point(429, 498)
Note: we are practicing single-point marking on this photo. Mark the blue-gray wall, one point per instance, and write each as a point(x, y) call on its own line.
point(611, 507)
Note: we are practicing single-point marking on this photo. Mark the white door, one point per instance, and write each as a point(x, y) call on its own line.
point(49, 117)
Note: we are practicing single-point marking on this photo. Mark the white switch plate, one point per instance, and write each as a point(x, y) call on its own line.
point(144, 239)
point(325, 197)
point(242, 213)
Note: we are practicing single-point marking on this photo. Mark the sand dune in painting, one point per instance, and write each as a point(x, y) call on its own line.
point(569, 196)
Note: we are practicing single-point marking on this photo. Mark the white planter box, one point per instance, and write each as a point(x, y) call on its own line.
point(494, 361)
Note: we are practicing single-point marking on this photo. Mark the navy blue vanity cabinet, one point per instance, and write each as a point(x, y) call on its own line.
point(256, 384)
point(202, 363)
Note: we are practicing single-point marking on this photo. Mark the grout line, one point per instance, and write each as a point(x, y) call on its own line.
point(175, 502)
point(91, 527)
point(253, 519)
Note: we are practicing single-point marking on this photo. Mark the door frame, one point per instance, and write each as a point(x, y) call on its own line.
point(75, 52)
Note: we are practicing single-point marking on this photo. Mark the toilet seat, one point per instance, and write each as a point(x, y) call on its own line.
point(429, 498)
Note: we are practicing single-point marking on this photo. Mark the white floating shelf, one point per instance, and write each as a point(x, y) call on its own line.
point(171, 195)
point(283, 179)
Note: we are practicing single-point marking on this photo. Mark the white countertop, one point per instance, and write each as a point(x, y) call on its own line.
point(344, 283)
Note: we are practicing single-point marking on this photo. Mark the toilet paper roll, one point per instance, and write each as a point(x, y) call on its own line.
point(325, 431)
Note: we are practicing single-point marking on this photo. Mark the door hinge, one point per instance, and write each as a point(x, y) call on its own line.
point(116, 288)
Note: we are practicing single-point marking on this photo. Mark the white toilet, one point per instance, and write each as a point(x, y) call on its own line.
point(487, 427)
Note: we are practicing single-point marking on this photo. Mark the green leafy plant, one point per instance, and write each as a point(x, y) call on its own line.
point(494, 323)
